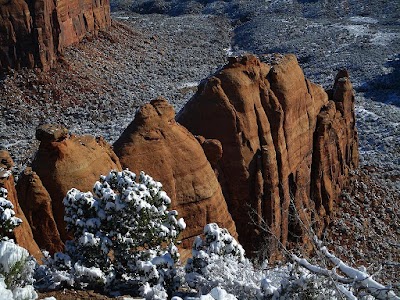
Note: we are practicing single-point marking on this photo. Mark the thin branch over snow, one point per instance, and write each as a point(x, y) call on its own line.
point(359, 279)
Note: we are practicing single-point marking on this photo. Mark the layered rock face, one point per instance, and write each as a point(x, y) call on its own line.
point(23, 233)
point(35, 32)
point(169, 153)
point(61, 163)
point(287, 144)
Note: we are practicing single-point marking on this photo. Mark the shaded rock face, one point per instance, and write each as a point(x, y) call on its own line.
point(35, 32)
point(335, 146)
point(22, 234)
point(16, 36)
point(275, 126)
point(59, 165)
point(156, 144)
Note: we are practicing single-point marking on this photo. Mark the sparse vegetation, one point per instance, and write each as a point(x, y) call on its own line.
point(124, 238)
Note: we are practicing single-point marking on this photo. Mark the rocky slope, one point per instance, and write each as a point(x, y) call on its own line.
point(101, 82)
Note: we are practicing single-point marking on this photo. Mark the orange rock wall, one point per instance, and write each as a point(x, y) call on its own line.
point(36, 202)
point(23, 233)
point(156, 144)
point(287, 145)
point(73, 162)
point(35, 32)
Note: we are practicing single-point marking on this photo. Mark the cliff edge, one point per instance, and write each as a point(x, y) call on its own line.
point(33, 33)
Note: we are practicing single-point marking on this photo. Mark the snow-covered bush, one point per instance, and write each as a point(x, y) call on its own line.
point(218, 260)
point(124, 236)
point(8, 221)
point(16, 272)
point(216, 293)
point(16, 265)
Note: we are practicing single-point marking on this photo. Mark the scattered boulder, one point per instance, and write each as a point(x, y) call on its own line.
point(72, 162)
point(51, 133)
point(169, 153)
point(22, 234)
point(270, 120)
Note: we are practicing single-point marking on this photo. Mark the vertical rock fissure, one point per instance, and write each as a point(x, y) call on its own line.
point(295, 170)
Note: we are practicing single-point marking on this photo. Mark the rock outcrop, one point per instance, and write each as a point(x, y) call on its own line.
point(23, 233)
point(335, 146)
point(61, 163)
point(35, 32)
point(156, 144)
point(287, 144)
point(37, 203)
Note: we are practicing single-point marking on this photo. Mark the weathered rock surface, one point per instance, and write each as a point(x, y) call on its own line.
point(270, 121)
point(156, 144)
point(37, 203)
point(75, 161)
point(335, 146)
point(16, 36)
point(51, 133)
point(34, 33)
point(23, 233)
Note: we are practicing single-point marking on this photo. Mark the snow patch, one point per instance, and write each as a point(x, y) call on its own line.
point(383, 38)
point(187, 85)
point(360, 19)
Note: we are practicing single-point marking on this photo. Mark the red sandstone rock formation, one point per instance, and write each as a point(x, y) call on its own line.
point(22, 234)
point(37, 203)
point(16, 39)
point(35, 32)
point(274, 126)
point(156, 144)
point(63, 162)
point(335, 146)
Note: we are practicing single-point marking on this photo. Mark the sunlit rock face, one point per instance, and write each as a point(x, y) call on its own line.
point(37, 204)
point(287, 145)
point(62, 162)
point(156, 144)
